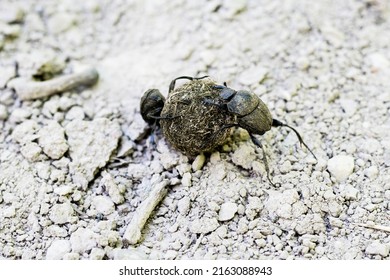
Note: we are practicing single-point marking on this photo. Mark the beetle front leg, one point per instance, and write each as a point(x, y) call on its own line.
point(276, 123)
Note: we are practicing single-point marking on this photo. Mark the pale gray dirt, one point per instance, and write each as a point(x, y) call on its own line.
point(77, 167)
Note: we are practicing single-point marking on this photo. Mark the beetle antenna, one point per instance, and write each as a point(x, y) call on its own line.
point(277, 123)
point(258, 143)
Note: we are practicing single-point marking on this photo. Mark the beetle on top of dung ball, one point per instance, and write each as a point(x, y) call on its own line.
point(199, 115)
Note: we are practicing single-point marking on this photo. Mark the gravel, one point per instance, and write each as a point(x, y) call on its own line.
point(82, 176)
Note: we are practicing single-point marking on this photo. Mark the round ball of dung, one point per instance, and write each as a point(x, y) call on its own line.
point(191, 125)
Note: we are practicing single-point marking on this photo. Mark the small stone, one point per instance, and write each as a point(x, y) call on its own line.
point(9, 212)
point(227, 211)
point(64, 189)
point(113, 190)
point(128, 254)
point(198, 162)
point(378, 248)
point(183, 205)
point(244, 156)
point(82, 240)
point(351, 193)
point(75, 113)
point(97, 254)
point(186, 180)
point(371, 172)
point(58, 249)
point(25, 132)
point(103, 204)
point(341, 167)
point(31, 151)
point(3, 112)
point(71, 256)
point(61, 213)
point(204, 225)
point(52, 140)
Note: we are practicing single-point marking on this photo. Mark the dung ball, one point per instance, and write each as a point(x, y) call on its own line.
point(190, 125)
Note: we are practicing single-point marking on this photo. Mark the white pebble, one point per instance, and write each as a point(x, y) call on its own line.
point(103, 204)
point(186, 180)
point(31, 151)
point(58, 249)
point(378, 248)
point(351, 193)
point(371, 172)
point(52, 140)
point(9, 212)
point(61, 213)
point(227, 211)
point(244, 156)
point(198, 162)
point(82, 240)
point(97, 254)
point(204, 225)
point(341, 167)
point(183, 205)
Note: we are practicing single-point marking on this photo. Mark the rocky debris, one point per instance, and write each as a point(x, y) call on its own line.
point(103, 204)
point(378, 248)
point(341, 167)
point(83, 239)
point(26, 132)
point(58, 249)
point(32, 151)
point(52, 140)
point(114, 191)
point(244, 156)
point(204, 225)
point(127, 254)
point(227, 211)
point(61, 213)
point(91, 144)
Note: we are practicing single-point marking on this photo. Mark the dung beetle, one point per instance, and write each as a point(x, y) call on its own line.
point(252, 115)
point(192, 105)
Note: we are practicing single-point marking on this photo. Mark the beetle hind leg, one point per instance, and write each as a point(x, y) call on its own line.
point(276, 123)
point(258, 144)
point(172, 84)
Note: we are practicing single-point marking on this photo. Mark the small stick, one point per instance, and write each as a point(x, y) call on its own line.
point(28, 90)
point(377, 227)
point(133, 231)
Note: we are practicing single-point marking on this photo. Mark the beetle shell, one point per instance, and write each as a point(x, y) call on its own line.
point(196, 127)
point(258, 121)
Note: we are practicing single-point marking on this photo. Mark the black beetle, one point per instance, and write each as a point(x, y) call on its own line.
point(246, 110)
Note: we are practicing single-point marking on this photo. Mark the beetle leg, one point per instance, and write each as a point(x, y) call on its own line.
point(172, 84)
point(258, 143)
point(277, 123)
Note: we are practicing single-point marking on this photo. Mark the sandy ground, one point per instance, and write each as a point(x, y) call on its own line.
point(80, 180)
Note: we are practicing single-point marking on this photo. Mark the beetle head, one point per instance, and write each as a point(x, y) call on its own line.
point(152, 102)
